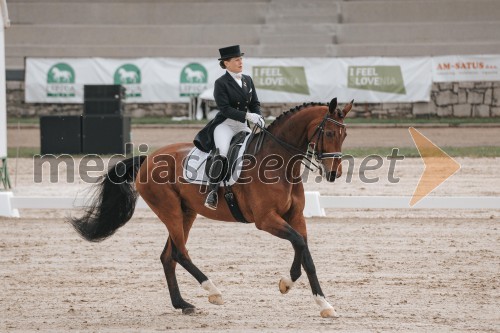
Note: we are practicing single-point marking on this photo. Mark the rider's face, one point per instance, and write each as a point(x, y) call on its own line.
point(234, 65)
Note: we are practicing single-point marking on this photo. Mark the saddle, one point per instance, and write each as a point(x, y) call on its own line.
point(233, 159)
point(197, 163)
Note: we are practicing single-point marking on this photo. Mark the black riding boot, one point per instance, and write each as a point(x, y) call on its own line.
point(216, 174)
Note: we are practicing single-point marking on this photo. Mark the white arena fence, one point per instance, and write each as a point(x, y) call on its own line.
point(315, 203)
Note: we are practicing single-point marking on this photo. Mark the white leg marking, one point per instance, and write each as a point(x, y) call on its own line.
point(214, 295)
point(286, 284)
point(210, 287)
point(327, 311)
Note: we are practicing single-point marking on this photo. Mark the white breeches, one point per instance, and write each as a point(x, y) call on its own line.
point(225, 131)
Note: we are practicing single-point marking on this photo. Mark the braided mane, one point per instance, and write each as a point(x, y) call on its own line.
point(292, 111)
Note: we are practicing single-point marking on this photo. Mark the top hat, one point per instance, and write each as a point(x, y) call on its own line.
point(230, 52)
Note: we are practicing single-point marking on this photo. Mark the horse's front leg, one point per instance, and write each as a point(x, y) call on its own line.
point(297, 222)
point(327, 309)
point(286, 283)
point(276, 226)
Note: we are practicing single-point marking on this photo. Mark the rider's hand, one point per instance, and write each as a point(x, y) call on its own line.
point(255, 118)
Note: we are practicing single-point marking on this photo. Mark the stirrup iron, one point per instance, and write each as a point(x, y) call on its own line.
point(212, 200)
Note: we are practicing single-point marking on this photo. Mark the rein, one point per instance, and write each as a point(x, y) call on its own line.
point(318, 155)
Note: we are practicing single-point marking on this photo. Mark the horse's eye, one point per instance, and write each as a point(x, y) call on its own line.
point(330, 134)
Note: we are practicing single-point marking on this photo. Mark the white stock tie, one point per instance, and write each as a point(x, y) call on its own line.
point(237, 78)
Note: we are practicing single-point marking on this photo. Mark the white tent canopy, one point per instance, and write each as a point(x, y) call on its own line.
point(208, 94)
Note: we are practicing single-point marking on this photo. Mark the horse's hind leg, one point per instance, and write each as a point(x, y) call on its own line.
point(169, 265)
point(214, 295)
point(175, 252)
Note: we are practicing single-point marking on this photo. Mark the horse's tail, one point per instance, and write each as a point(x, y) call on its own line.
point(113, 202)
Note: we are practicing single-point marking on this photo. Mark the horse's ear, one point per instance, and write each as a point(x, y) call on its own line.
point(347, 108)
point(333, 105)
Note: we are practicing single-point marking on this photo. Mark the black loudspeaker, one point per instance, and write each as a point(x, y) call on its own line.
point(103, 99)
point(60, 135)
point(102, 107)
point(103, 91)
point(105, 135)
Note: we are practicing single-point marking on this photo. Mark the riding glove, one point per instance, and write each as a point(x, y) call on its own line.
point(255, 118)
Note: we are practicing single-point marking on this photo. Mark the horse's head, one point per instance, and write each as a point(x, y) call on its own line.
point(326, 137)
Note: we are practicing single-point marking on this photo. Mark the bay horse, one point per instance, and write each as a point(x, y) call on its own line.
point(274, 206)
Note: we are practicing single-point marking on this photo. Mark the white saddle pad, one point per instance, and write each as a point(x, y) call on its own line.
point(193, 169)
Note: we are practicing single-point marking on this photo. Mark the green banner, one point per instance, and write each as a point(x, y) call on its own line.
point(193, 80)
point(129, 75)
point(376, 78)
point(281, 78)
point(61, 81)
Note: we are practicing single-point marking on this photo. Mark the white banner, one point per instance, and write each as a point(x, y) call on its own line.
point(147, 80)
point(466, 68)
point(294, 80)
point(277, 80)
point(383, 80)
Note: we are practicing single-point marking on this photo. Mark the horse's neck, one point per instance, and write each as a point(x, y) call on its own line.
point(294, 130)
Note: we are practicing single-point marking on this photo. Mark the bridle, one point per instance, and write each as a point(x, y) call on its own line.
point(320, 130)
point(311, 152)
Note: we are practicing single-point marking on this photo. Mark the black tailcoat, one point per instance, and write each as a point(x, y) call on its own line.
point(233, 102)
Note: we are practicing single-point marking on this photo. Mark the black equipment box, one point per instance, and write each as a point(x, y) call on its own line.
point(102, 107)
point(103, 99)
point(60, 135)
point(105, 134)
point(103, 91)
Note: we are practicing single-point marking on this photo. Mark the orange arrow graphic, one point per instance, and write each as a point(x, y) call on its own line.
point(439, 166)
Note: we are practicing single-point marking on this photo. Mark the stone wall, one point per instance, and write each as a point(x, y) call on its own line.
point(17, 108)
point(456, 99)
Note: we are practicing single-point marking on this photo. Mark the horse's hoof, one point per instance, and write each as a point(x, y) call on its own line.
point(214, 295)
point(285, 285)
point(189, 311)
point(329, 313)
point(216, 299)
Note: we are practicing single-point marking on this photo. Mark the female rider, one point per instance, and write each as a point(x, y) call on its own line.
point(237, 102)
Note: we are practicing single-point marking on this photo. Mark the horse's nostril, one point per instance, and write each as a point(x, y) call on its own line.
point(332, 176)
